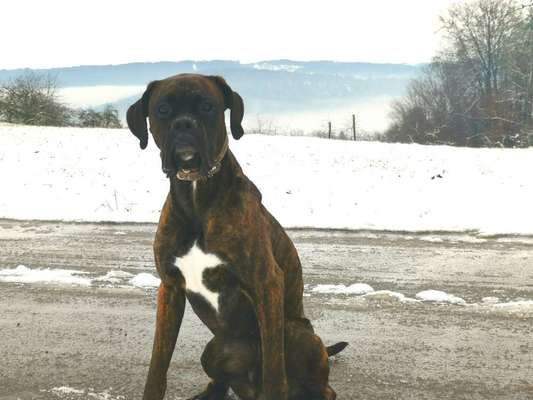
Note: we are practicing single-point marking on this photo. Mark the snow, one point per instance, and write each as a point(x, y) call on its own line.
point(102, 175)
point(367, 292)
point(490, 300)
point(67, 392)
point(356, 288)
point(388, 296)
point(119, 279)
point(515, 307)
point(362, 290)
point(23, 274)
point(438, 296)
point(521, 308)
point(145, 280)
point(116, 278)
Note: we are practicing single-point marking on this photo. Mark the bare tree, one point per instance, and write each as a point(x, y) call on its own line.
point(107, 118)
point(481, 33)
point(110, 117)
point(479, 89)
point(521, 69)
point(32, 99)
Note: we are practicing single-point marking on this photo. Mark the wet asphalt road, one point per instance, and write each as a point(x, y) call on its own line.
point(96, 341)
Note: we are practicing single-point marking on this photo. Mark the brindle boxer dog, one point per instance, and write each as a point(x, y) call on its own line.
point(219, 247)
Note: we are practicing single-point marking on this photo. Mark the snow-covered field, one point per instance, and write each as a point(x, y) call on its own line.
point(102, 175)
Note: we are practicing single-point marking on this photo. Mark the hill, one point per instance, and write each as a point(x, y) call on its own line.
point(291, 94)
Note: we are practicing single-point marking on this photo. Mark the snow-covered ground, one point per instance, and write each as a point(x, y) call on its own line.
point(102, 175)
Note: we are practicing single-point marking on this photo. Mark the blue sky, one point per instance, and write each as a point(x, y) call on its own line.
point(55, 33)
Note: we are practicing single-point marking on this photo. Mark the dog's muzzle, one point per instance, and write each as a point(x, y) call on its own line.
point(213, 166)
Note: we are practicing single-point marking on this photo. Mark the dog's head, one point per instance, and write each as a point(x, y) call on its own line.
point(186, 114)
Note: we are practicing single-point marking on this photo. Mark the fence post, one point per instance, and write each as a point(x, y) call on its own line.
point(329, 130)
point(353, 127)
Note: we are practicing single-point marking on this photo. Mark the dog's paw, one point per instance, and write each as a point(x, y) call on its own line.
point(214, 391)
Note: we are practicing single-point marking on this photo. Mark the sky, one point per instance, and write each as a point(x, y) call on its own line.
point(59, 33)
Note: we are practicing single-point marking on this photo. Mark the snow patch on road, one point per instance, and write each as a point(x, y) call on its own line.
point(519, 306)
point(438, 296)
point(66, 390)
point(114, 277)
point(362, 291)
point(117, 278)
point(70, 393)
point(356, 288)
point(145, 280)
point(23, 274)
point(366, 291)
point(490, 300)
point(388, 296)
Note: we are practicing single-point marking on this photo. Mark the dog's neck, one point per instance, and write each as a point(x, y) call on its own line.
point(194, 199)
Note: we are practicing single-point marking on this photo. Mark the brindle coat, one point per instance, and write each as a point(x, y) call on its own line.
point(263, 346)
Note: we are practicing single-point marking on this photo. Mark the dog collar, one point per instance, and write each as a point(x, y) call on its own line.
point(196, 175)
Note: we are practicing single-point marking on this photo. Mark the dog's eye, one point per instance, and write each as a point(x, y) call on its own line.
point(164, 109)
point(206, 107)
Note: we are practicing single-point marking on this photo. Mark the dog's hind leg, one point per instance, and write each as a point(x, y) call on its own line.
point(307, 362)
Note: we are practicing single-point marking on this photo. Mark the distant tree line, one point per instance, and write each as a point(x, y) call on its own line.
point(478, 91)
point(32, 99)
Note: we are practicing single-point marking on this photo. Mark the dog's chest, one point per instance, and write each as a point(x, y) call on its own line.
point(195, 266)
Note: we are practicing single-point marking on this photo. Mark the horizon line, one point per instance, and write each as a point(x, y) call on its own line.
point(216, 60)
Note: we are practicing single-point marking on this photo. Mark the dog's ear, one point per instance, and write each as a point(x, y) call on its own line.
point(137, 114)
point(234, 102)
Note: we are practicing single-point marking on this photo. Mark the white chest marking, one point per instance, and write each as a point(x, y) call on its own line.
point(192, 266)
point(194, 193)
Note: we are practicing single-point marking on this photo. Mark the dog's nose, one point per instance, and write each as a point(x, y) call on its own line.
point(184, 124)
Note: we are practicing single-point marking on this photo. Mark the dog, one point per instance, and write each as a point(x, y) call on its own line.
point(217, 246)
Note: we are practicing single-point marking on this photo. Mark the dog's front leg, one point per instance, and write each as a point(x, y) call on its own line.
point(270, 316)
point(167, 239)
point(170, 307)
point(170, 303)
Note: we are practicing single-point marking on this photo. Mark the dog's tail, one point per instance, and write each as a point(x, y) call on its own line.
point(336, 348)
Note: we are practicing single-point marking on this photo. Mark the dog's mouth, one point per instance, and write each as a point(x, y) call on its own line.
point(187, 159)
